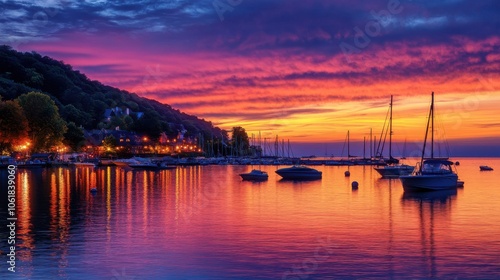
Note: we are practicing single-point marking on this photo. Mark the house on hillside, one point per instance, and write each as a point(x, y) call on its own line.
point(120, 112)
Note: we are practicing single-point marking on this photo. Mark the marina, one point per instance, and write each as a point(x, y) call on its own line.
point(249, 140)
point(206, 222)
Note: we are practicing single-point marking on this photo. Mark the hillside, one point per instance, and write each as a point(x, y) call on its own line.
point(86, 102)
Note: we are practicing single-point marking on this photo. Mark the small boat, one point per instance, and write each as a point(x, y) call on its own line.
point(148, 165)
point(6, 161)
point(83, 164)
point(485, 168)
point(125, 162)
point(255, 175)
point(299, 172)
point(393, 169)
point(30, 164)
point(432, 174)
point(144, 165)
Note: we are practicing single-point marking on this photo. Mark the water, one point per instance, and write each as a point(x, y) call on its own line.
point(205, 223)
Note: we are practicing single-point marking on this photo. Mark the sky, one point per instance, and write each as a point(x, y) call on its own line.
point(307, 71)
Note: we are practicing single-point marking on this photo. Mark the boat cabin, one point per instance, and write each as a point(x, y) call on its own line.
point(436, 166)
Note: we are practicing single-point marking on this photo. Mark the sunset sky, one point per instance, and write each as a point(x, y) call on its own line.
point(307, 71)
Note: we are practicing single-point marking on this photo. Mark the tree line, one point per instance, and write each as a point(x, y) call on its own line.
point(82, 102)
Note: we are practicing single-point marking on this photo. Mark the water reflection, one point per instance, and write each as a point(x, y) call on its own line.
point(205, 222)
point(434, 211)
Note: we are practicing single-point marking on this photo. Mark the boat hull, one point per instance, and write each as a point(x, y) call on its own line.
point(394, 171)
point(298, 174)
point(485, 168)
point(429, 182)
point(252, 177)
point(83, 164)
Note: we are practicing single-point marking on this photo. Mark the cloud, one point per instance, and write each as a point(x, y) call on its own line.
point(271, 61)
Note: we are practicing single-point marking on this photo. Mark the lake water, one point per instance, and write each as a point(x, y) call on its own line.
point(204, 222)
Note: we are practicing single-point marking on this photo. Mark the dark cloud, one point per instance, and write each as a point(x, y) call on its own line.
point(317, 26)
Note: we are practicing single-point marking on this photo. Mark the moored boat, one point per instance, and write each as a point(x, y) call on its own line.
point(485, 168)
point(299, 172)
point(31, 164)
point(124, 162)
point(144, 165)
point(393, 169)
point(5, 161)
point(255, 175)
point(433, 173)
point(83, 164)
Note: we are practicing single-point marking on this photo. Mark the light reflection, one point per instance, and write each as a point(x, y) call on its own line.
point(433, 210)
point(206, 217)
point(25, 219)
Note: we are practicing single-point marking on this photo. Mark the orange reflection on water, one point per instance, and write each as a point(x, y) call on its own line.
point(208, 218)
point(25, 241)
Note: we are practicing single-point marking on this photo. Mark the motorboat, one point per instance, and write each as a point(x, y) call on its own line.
point(31, 164)
point(83, 164)
point(393, 169)
point(485, 168)
point(6, 161)
point(299, 172)
point(144, 165)
point(435, 174)
point(151, 165)
point(255, 175)
point(432, 173)
point(125, 162)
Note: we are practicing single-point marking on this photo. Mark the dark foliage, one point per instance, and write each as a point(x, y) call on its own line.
point(84, 102)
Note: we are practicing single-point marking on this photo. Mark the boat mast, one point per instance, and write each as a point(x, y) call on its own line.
point(431, 116)
point(390, 132)
point(432, 132)
point(348, 151)
point(371, 146)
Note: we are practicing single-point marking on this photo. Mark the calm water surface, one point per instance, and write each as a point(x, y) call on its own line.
point(205, 223)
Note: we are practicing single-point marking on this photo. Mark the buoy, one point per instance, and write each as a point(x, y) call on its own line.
point(457, 163)
point(93, 190)
point(347, 173)
point(354, 185)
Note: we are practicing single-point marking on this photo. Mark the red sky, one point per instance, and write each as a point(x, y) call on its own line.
point(307, 71)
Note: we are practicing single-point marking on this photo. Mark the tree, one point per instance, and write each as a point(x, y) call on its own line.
point(72, 114)
point(239, 141)
point(74, 137)
point(13, 126)
point(46, 126)
point(109, 143)
point(149, 125)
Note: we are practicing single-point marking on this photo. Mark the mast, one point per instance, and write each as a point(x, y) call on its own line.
point(348, 151)
point(431, 116)
point(364, 147)
point(371, 148)
point(432, 132)
point(390, 131)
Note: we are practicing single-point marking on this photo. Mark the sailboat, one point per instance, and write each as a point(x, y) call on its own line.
point(393, 169)
point(432, 173)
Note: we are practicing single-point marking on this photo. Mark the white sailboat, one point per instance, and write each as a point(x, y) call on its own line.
point(393, 169)
point(432, 173)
